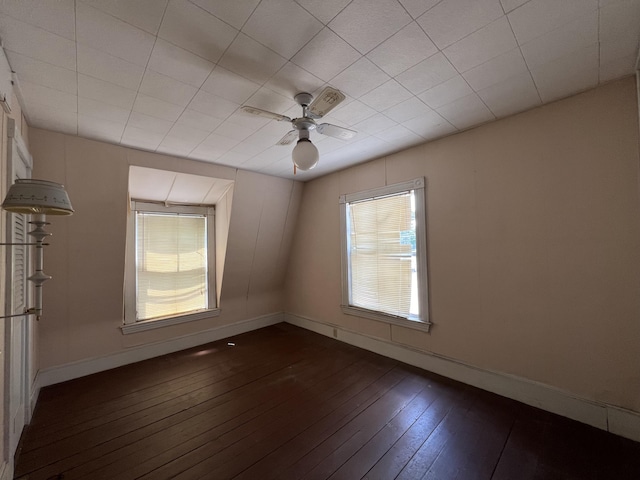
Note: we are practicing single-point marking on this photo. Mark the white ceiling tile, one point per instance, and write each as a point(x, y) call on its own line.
point(190, 27)
point(538, 17)
point(95, 108)
point(567, 75)
point(100, 129)
point(37, 43)
point(570, 37)
point(232, 159)
point(395, 133)
point(619, 19)
point(166, 88)
point(232, 131)
point(496, 70)
point(451, 20)
point(190, 188)
point(205, 153)
point(324, 11)
point(352, 113)
point(248, 58)
point(446, 92)
point(430, 126)
point(49, 97)
point(622, 46)
point(144, 14)
point(418, 7)
point(243, 124)
point(135, 137)
point(618, 67)
point(326, 55)
point(509, 5)
point(272, 17)
point(194, 119)
point(179, 64)
point(221, 142)
point(512, 95)
point(466, 112)
point(386, 95)
point(150, 183)
point(56, 17)
point(403, 50)
point(106, 67)
point(54, 119)
point(42, 73)
point(360, 78)
point(482, 45)
point(427, 74)
point(212, 105)
point(177, 146)
point(101, 31)
point(229, 85)
point(364, 32)
point(231, 11)
point(149, 124)
point(106, 92)
point(271, 101)
point(407, 110)
point(292, 79)
point(375, 124)
point(157, 108)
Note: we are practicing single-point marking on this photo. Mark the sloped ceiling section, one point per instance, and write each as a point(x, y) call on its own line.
point(170, 76)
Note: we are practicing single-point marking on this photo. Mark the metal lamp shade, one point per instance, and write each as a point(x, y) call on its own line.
point(31, 196)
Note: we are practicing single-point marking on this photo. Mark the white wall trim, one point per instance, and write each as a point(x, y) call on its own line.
point(625, 423)
point(69, 371)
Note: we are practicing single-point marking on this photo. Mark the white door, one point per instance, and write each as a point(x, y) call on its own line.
point(18, 340)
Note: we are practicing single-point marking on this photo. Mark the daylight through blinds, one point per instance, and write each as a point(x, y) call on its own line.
point(171, 264)
point(381, 247)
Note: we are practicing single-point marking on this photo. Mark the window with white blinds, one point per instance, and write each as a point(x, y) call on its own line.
point(173, 262)
point(384, 254)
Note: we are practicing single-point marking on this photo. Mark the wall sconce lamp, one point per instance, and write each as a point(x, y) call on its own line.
point(37, 198)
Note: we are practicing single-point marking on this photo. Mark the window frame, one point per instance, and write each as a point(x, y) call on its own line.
point(418, 186)
point(131, 323)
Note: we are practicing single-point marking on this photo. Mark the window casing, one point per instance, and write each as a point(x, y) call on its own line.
point(170, 265)
point(384, 254)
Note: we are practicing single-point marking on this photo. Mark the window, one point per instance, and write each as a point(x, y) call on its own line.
point(171, 264)
point(384, 254)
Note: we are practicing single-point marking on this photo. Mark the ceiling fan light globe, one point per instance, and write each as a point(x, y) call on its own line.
point(305, 154)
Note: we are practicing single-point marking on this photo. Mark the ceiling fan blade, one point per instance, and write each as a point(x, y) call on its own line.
point(336, 131)
point(326, 101)
point(288, 138)
point(265, 113)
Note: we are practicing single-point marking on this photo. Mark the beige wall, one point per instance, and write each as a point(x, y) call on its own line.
point(83, 303)
point(533, 239)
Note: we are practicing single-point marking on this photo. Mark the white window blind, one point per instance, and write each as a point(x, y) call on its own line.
point(384, 254)
point(171, 264)
point(380, 253)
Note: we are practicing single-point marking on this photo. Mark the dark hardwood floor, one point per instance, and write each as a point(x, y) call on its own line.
point(285, 403)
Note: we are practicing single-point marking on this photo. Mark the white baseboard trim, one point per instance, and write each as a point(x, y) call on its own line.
point(62, 373)
point(625, 423)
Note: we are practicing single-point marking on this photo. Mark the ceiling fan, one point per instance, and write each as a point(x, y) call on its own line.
point(305, 154)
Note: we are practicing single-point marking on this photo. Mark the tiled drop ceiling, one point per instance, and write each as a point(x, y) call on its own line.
point(170, 75)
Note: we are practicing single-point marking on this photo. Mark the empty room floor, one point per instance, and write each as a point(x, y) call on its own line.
point(286, 403)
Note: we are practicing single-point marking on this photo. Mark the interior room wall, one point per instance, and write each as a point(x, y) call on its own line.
point(83, 302)
point(533, 246)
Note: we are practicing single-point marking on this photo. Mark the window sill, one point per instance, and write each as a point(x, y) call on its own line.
point(165, 322)
point(382, 317)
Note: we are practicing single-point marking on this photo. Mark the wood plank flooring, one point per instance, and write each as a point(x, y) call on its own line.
point(285, 403)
